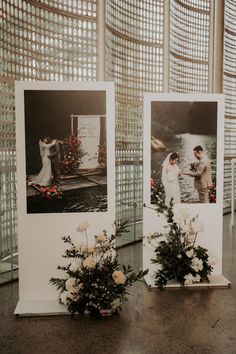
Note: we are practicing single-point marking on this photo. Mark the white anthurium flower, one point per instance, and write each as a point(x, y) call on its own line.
point(190, 253)
point(197, 227)
point(181, 216)
point(89, 262)
point(197, 264)
point(189, 279)
point(119, 277)
point(83, 226)
point(185, 228)
point(76, 265)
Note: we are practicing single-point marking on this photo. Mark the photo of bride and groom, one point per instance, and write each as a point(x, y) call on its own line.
point(184, 150)
point(201, 172)
point(50, 158)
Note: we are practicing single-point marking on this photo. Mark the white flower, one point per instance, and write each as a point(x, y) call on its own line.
point(79, 246)
point(189, 279)
point(91, 249)
point(89, 262)
point(116, 304)
point(101, 238)
point(71, 284)
point(190, 253)
point(197, 226)
point(118, 276)
point(179, 256)
point(64, 297)
point(83, 226)
point(191, 238)
point(197, 264)
point(76, 265)
point(197, 278)
point(186, 228)
point(181, 216)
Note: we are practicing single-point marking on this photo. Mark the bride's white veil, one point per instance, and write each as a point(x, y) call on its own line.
point(164, 167)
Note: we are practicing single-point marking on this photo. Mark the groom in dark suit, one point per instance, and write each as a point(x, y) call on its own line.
point(55, 158)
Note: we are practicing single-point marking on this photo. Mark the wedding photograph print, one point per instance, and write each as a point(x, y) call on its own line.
point(184, 150)
point(66, 151)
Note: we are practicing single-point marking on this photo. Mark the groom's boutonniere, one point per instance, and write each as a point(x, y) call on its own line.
point(193, 167)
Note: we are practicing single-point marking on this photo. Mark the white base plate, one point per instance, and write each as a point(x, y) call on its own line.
point(215, 281)
point(40, 308)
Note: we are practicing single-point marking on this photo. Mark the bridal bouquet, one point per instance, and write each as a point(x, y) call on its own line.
point(94, 280)
point(176, 251)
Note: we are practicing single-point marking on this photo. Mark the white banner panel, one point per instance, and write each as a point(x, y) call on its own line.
point(178, 123)
point(89, 133)
point(43, 113)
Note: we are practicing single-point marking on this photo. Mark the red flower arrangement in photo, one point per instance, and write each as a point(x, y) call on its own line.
point(73, 154)
point(212, 193)
point(50, 192)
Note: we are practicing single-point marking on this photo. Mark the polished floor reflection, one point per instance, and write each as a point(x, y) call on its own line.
point(153, 321)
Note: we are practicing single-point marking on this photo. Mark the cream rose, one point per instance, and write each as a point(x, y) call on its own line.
point(101, 238)
point(119, 277)
point(64, 297)
point(189, 279)
point(89, 262)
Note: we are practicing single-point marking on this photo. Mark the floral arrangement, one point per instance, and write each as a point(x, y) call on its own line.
point(94, 280)
point(73, 154)
point(212, 193)
point(50, 192)
point(176, 251)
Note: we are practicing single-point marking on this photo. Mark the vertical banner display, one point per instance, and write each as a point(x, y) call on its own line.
point(65, 176)
point(89, 133)
point(174, 125)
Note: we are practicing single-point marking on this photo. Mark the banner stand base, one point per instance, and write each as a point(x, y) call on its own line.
point(40, 308)
point(215, 281)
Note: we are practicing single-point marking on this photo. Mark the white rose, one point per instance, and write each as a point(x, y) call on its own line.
point(181, 216)
point(189, 279)
point(118, 276)
point(83, 226)
point(89, 262)
point(64, 297)
point(71, 284)
point(190, 253)
point(101, 238)
point(197, 264)
point(76, 265)
point(197, 227)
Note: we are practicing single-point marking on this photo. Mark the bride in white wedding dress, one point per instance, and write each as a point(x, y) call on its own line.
point(170, 178)
point(45, 175)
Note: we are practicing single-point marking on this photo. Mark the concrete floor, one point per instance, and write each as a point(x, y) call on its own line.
point(171, 321)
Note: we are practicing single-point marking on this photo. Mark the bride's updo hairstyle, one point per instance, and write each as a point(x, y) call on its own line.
point(174, 156)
